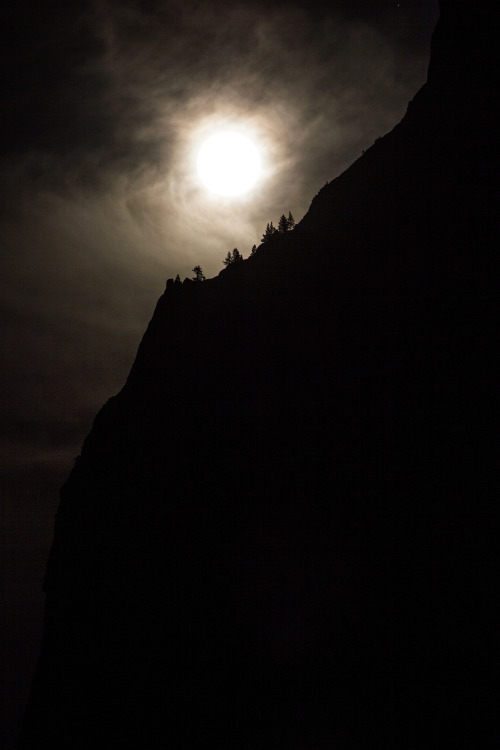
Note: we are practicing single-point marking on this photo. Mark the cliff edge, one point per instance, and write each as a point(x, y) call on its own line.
point(275, 534)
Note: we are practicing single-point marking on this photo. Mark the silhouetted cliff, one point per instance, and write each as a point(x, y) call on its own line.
point(275, 535)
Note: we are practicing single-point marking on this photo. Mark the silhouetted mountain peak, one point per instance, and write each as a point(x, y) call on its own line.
point(463, 47)
point(273, 537)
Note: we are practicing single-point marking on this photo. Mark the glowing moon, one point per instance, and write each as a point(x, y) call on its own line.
point(228, 163)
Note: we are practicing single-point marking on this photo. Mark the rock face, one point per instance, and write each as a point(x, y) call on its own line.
point(274, 536)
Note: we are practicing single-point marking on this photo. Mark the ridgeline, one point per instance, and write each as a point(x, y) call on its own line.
point(275, 534)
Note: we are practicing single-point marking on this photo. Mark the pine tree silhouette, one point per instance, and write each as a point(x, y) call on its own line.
point(233, 257)
point(270, 231)
point(200, 276)
point(283, 224)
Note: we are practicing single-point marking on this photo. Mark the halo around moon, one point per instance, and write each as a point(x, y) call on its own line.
point(228, 163)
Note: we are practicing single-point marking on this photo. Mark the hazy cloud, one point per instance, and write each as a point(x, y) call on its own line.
point(104, 110)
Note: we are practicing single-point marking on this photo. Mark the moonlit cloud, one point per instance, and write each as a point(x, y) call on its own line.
point(109, 103)
point(315, 92)
point(101, 199)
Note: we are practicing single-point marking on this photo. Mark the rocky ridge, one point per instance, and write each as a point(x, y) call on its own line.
point(274, 535)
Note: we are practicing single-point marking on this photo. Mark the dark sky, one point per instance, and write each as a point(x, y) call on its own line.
point(103, 106)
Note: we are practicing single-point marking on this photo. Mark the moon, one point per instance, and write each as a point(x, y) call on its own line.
point(228, 163)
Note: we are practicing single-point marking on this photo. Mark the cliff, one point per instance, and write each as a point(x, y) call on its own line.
point(274, 535)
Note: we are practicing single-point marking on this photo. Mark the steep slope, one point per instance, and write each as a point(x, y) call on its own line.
point(274, 536)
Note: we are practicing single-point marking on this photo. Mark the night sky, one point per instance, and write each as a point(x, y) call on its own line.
point(104, 106)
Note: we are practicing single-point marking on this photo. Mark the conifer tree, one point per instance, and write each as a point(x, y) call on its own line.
point(200, 276)
point(270, 231)
point(283, 224)
point(177, 279)
point(233, 257)
point(253, 250)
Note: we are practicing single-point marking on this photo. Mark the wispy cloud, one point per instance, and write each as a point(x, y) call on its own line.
point(104, 113)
